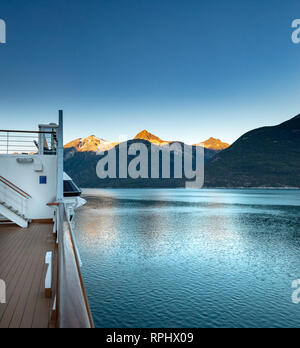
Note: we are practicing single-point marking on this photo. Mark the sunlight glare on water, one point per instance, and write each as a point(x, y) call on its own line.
point(190, 258)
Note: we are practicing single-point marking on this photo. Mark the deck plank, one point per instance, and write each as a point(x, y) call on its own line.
point(12, 268)
point(32, 270)
point(38, 307)
point(22, 267)
point(22, 282)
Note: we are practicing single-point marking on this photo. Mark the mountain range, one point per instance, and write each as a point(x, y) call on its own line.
point(264, 157)
point(94, 144)
point(82, 155)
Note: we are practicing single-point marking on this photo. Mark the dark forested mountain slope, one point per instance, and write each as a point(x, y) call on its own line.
point(264, 157)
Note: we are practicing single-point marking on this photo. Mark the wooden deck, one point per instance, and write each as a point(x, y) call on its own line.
point(22, 267)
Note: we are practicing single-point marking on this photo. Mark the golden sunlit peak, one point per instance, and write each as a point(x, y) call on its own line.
point(90, 144)
point(213, 144)
point(145, 135)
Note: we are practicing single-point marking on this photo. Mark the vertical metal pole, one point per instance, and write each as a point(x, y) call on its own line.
point(41, 145)
point(60, 159)
point(60, 209)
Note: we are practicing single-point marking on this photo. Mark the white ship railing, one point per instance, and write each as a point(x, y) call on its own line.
point(73, 309)
point(27, 142)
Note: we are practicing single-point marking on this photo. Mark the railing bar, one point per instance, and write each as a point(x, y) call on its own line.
point(33, 151)
point(21, 136)
point(19, 141)
point(21, 145)
point(16, 146)
point(21, 194)
point(26, 132)
point(8, 183)
point(27, 149)
point(16, 189)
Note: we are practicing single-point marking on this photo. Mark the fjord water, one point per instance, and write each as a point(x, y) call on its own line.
point(191, 258)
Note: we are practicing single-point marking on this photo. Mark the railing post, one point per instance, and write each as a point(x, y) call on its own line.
point(24, 206)
point(5, 194)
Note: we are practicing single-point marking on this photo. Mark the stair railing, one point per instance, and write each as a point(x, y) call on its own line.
point(13, 197)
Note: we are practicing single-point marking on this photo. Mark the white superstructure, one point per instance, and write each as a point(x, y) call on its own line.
point(29, 174)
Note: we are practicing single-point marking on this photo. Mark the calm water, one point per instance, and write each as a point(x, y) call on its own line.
point(180, 258)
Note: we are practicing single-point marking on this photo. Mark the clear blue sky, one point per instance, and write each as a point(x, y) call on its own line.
point(183, 69)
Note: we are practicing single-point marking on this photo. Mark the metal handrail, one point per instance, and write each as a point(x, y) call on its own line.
point(15, 188)
point(25, 142)
point(72, 304)
point(22, 131)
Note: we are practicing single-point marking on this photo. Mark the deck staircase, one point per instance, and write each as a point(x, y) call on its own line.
point(13, 203)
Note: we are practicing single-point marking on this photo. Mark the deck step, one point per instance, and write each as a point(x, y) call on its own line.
point(8, 213)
